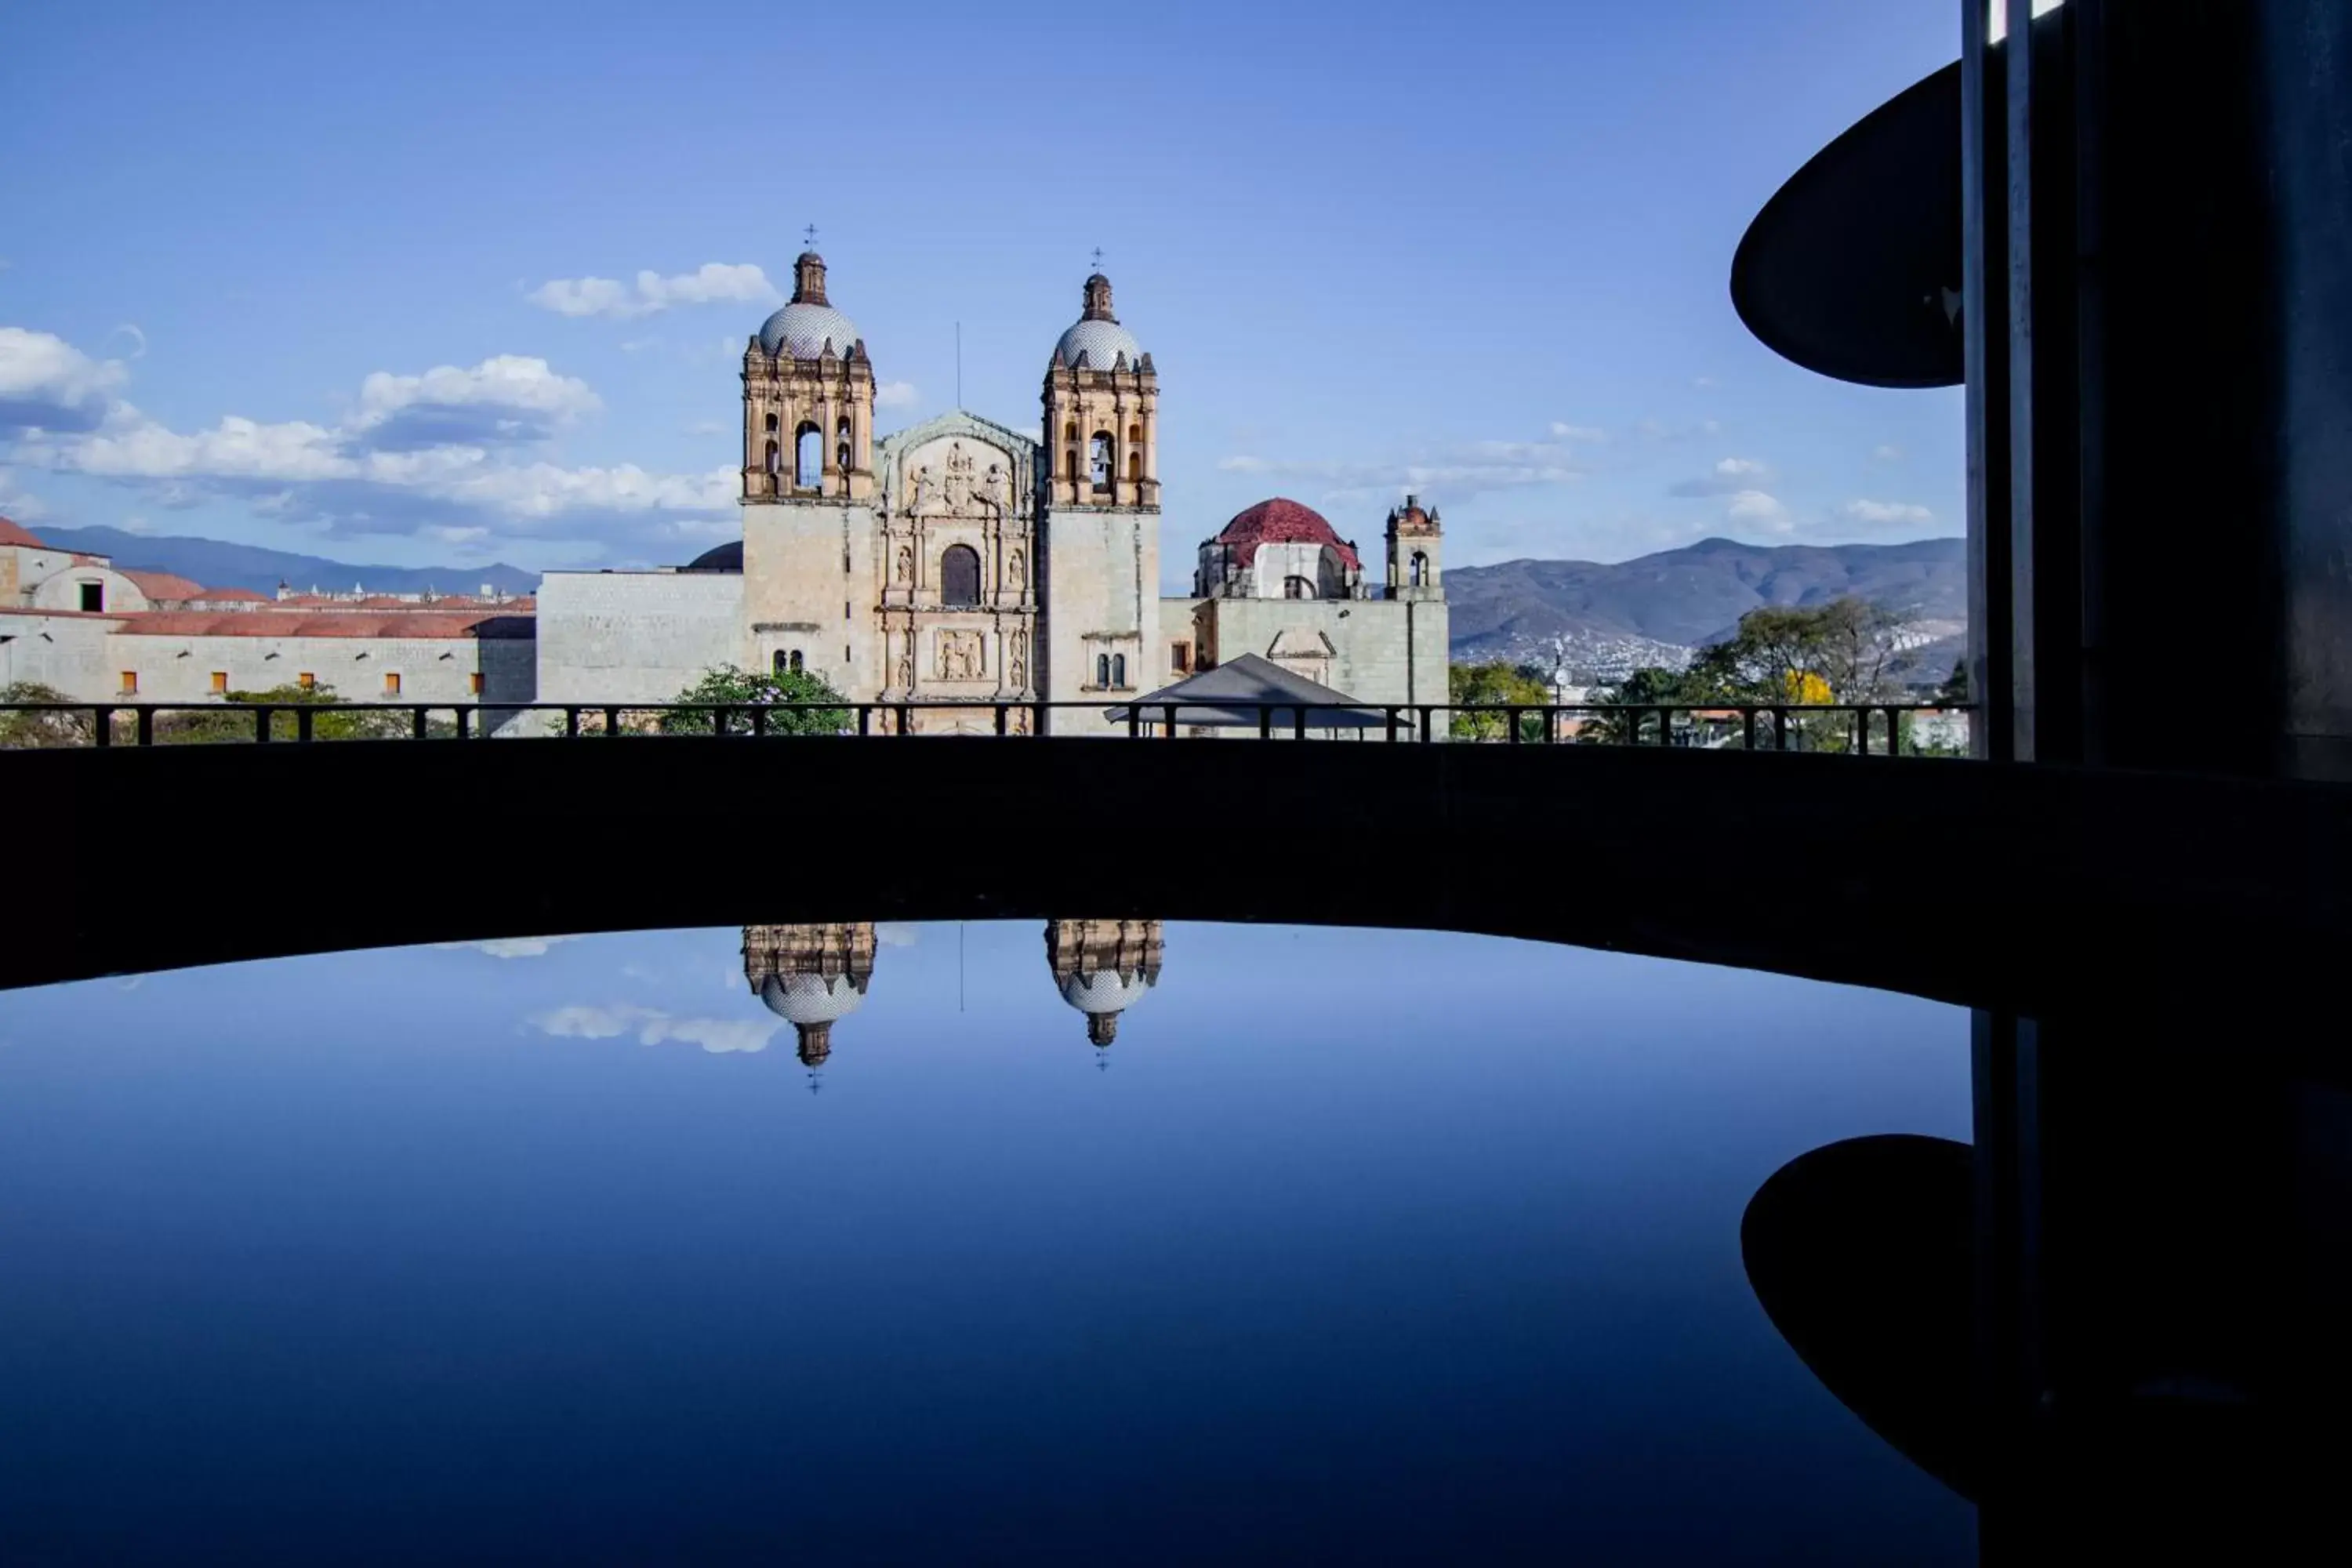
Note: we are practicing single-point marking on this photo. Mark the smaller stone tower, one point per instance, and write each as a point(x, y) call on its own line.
point(811, 976)
point(1103, 967)
point(1415, 570)
point(808, 400)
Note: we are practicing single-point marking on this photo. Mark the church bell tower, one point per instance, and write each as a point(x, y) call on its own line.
point(808, 400)
point(1414, 541)
point(1102, 411)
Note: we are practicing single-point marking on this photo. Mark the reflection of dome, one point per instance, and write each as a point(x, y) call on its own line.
point(726, 557)
point(1103, 967)
point(811, 976)
point(1096, 334)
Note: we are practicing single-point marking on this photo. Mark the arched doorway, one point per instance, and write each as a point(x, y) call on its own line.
point(959, 577)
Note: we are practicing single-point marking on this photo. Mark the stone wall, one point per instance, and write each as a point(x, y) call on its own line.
point(635, 637)
point(181, 668)
point(66, 653)
point(1102, 575)
point(809, 585)
point(1379, 651)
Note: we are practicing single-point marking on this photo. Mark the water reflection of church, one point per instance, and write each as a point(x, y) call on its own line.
point(813, 975)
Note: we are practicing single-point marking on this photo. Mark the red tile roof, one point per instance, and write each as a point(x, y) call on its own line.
point(230, 597)
point(314, 624)
point(1282, 521)
point(13, 532)
point(166, 585)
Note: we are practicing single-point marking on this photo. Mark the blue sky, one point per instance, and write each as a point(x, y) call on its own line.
point(281, 274)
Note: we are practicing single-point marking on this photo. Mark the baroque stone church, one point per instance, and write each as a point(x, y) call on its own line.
point(960, 563)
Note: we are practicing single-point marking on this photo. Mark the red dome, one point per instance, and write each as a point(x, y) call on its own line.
point(1281, 521)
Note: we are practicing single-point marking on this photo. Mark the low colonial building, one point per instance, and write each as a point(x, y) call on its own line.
point(962, 564)
point(74, 623)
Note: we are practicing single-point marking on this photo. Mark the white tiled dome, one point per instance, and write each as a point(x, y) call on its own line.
point(805, 328)
point(1105, 991)
point(1101, 341)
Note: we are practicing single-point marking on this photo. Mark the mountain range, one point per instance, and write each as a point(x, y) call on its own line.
point(216, 563)
point(1643, 610)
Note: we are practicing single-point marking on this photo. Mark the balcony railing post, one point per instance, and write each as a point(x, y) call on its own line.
point(1426, 727)
point(759, 720)
point(146, 718)
point(101, 726)
point(570, 723)
point(1266, 721)
point(611, 722)
point(1390, 715)
point(303, 726)
point(1779, 728)
point(1041, 717)
point(864, 718)
point(906, 715)
point(1134, 720)
point(1894, 732)
point(1747, 729)
point(417, 728)
point(1299, 723)
point(1172, 721)
point(261, 725)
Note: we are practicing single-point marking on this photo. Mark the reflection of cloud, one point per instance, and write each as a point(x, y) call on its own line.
point(896, 934)
point(512, 946)
point(653, 1026)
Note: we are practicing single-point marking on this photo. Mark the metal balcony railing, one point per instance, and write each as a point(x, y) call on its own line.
point(1884, 729)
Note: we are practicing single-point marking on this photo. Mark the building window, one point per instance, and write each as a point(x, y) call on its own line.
point(1420, 569)
point(93, 597)
point(130, 683)
point(771, 425)
point(392, 683)
point(1135, 465)
point(775, 458)
point(1135, 434)
point(1102, 670)
point(808, 457)
point(1297, 588)
point(788, 661)
point(220, 682)
point(959, 577)
point(1119, 669)
point(474, 683)
point(841, 457)
point(1179, 657)
point(307, 681)
point(1098, 460)
point(1072, 465)
point(1070, 431)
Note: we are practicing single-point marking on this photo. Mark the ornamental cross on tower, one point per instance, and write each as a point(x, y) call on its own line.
point(811, 233)
point(1098, 259)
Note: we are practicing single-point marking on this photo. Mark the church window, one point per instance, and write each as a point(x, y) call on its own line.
point(1102, 670)
point(772, 423)
point(959, 577)
point(1297, 588)
point(1420, 569)
point(789, 662)
point(1098, 460)
point(808, 457)
point(220, 682)
point(1119, 669)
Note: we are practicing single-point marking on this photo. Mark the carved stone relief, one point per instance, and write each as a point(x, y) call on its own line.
point(961, 655)
point(1016, 655)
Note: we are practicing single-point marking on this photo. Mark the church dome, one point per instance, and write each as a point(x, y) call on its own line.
point(1102, 996)
point(806, 999)
point(805, 328)
point(1096, 334)
point(1282, 521)
point(726, 557)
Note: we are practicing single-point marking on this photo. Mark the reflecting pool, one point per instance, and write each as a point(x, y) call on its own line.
point(1103, 1243)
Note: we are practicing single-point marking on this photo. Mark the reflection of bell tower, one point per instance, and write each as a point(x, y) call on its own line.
point(1103, 967)
point(810, 975)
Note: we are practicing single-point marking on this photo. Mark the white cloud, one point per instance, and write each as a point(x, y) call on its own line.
point(511, 946)
point(507, 397)
point(1591, 433)
point(47, 383)
point(1887, 454)
point(1880, 512)
point(1704, 382)
point(1470, 469)
point(1730, 476)
point(413, 448)
point(652, 1027)
point(1755, 509)
point(713, 282)
point(897, 933)
point(15, 504)
point(894, 395)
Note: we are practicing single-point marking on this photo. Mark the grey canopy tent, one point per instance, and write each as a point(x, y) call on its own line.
point(1249, 692)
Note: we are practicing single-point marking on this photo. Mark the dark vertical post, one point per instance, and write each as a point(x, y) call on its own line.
point(1779, 728)
point(1747, 729)
point(1172, 721)
point(1266, 721)
point(1984, 313)
point(465, 716)
point(611, 722)
point(1000, 718)
point(1299, 723)
point(1390, 715)
point(261, 725)
point(571, 722)
point(146, 726)
point(1511, 717)
point(101, 727)
point(301, 726)
point(759, 720)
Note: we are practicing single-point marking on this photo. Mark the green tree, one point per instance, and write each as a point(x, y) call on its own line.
point(1494, 684)
point(729, 687)
point(331, 719)
point(36, 731)
point(1623, 718)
